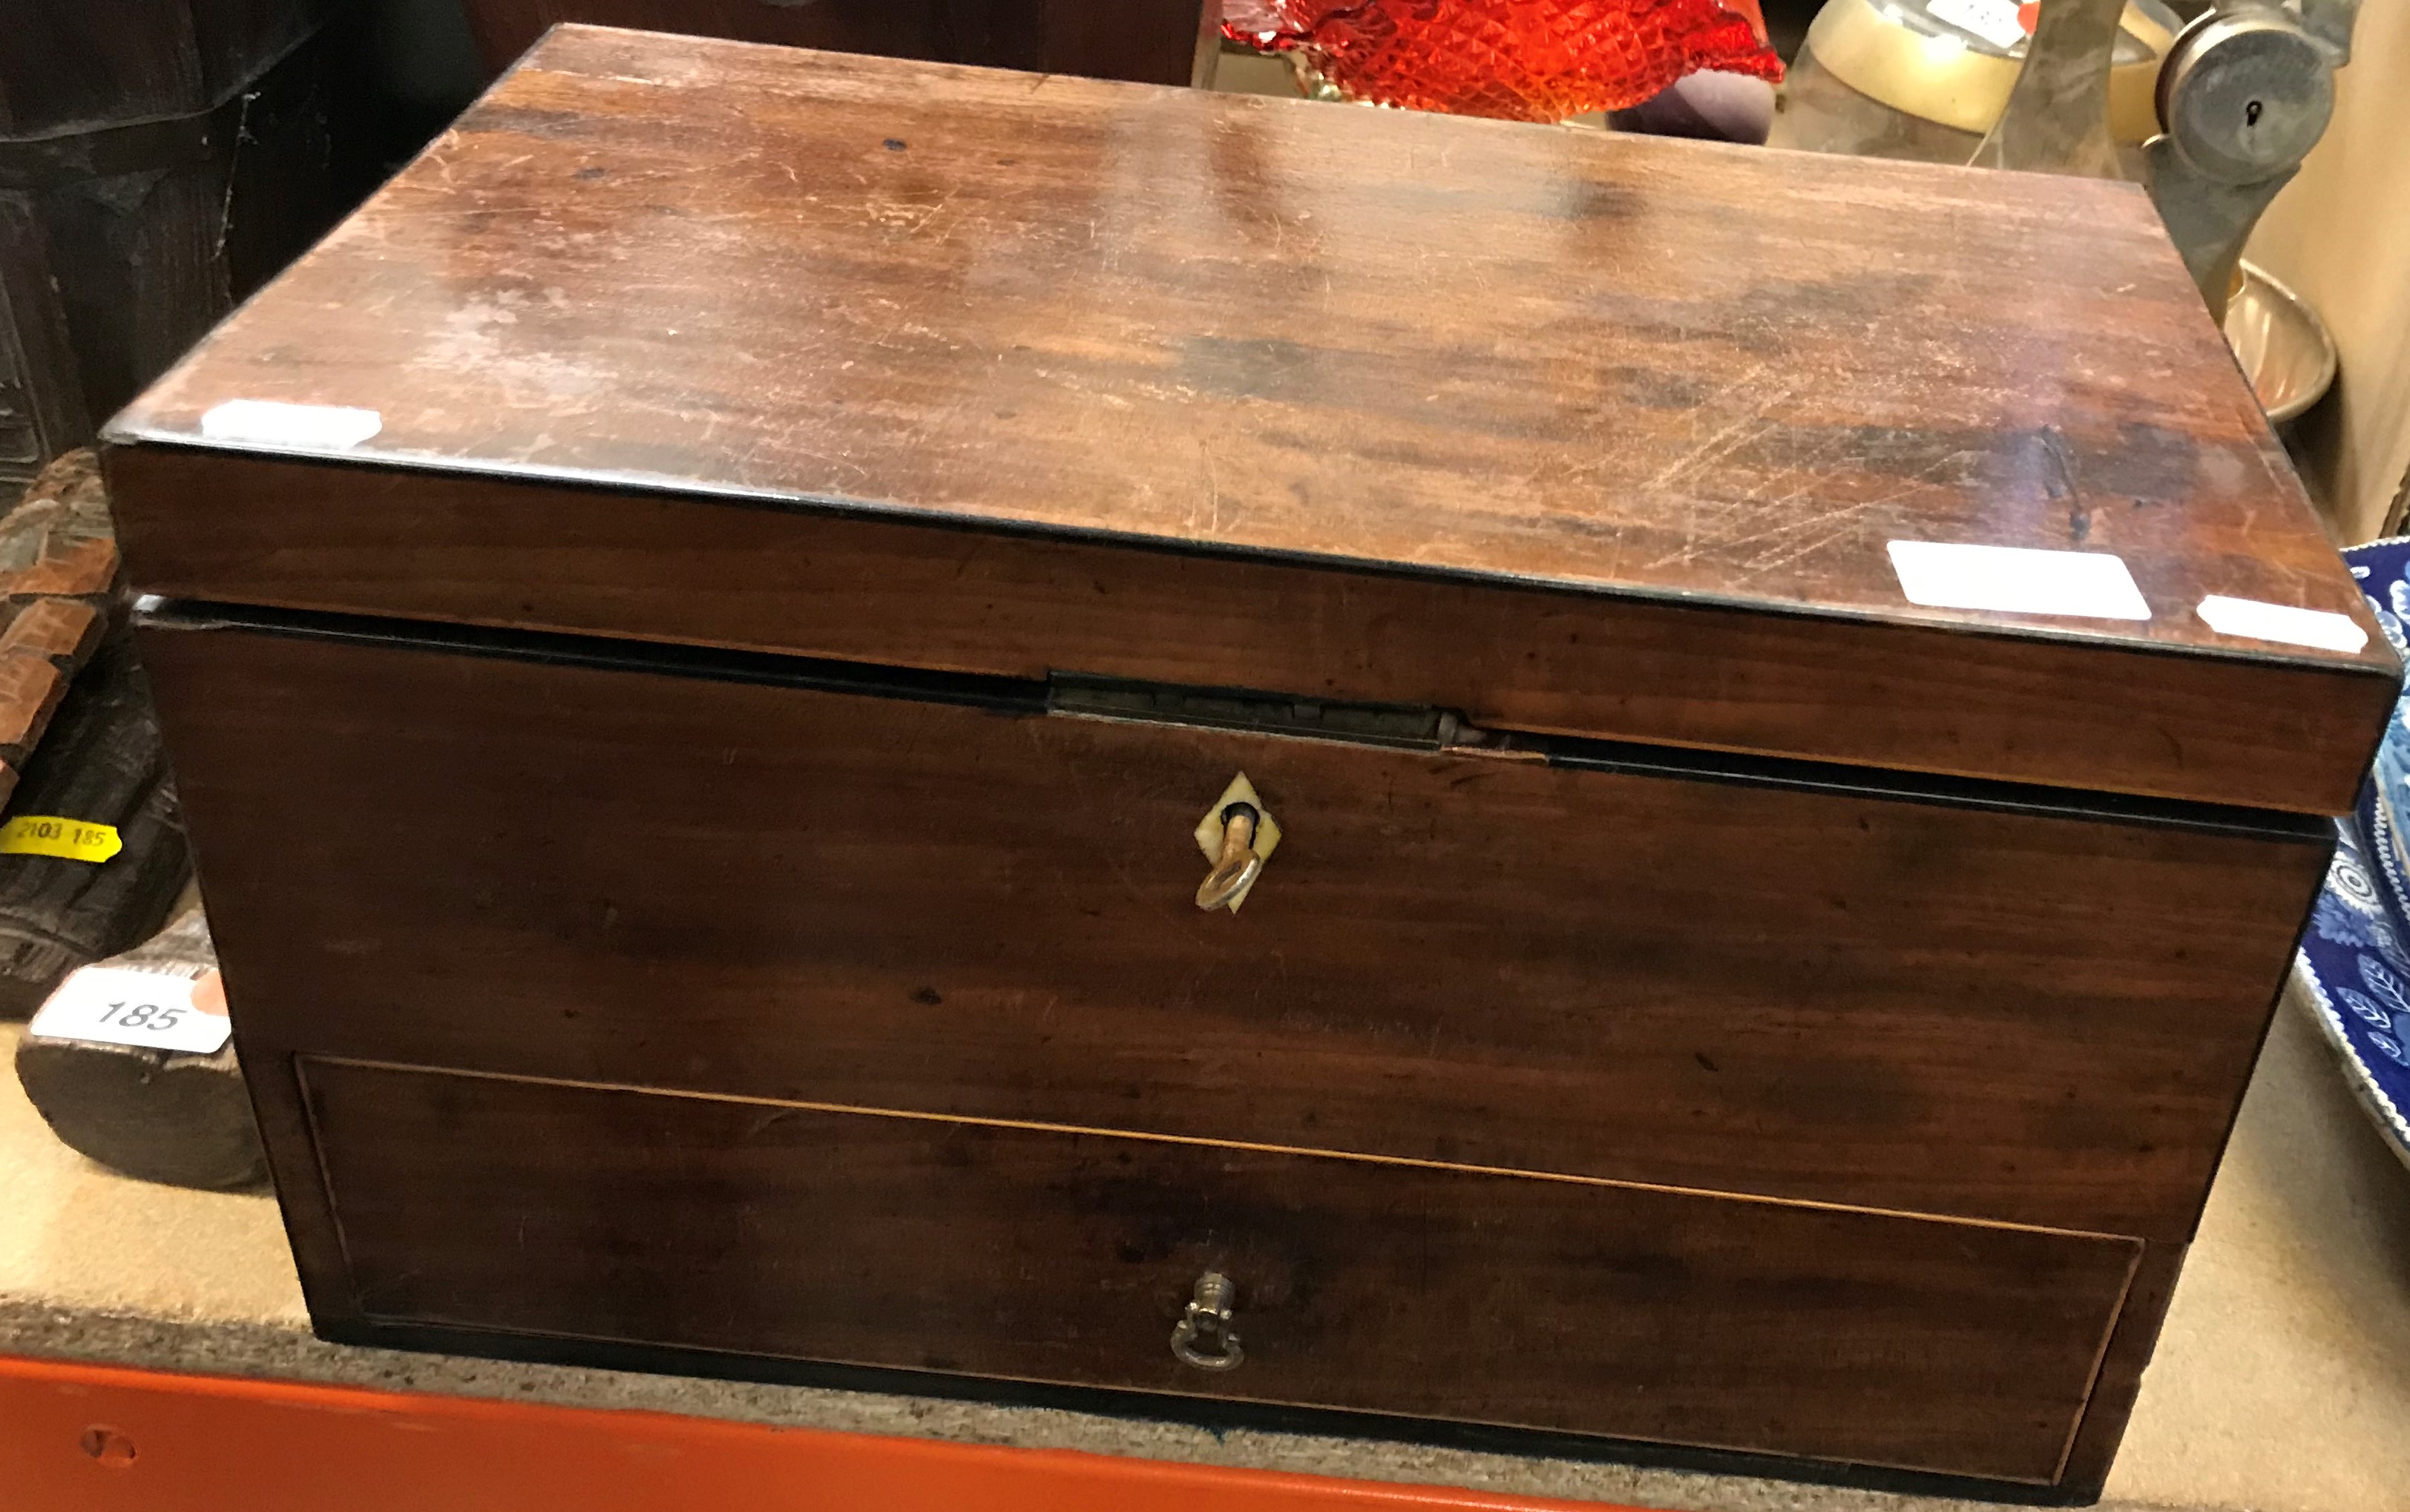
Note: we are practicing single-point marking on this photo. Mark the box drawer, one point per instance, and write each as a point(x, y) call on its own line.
point(1052, 1256)
point(621, 876)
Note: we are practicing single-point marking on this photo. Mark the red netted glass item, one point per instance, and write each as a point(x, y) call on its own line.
point(1523, 60)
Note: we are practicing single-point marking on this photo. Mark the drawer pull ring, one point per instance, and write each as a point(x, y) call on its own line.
point(1239, 863)
point(1203, 1336)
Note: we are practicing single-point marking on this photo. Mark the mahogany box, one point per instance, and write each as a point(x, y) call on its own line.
point(847, 716)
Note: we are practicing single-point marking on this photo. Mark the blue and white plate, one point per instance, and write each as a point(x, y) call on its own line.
point(2355, 957)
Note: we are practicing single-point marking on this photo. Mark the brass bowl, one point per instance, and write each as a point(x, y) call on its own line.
point(2282, 344)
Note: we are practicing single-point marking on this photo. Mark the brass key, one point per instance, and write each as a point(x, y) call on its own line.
point(1239, 863)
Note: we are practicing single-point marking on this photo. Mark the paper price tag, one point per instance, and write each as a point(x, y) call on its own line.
point(117, 1006)
point(70, 840)
point(271, 422)
point(2090, 584)
point(2252, 620)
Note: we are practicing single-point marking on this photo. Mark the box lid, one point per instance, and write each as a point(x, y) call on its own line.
point(1967, 441)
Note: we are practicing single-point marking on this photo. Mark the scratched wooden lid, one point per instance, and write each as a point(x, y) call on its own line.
point(1861, 462)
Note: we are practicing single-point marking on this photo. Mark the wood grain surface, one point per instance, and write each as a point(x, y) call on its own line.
point(1043, 1256)
point(2120, 1380)
point(476, 550)
point(72, 65)
point(728, 887)
point(1154, 40)
point(1492, 353)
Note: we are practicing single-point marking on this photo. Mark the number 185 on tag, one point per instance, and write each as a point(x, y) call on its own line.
point(112, 1005)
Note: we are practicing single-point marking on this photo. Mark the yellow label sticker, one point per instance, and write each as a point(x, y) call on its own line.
point(70, 839)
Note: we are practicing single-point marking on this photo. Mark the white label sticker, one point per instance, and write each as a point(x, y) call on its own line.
point(2255, 620)
point(2090, 584)
point(118, 1006)
point(1993, 20)
point(276, 423)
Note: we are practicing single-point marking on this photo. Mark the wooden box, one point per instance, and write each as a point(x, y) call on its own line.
point(709, 634)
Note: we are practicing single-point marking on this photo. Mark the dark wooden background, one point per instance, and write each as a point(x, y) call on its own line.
point(1155, 41)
